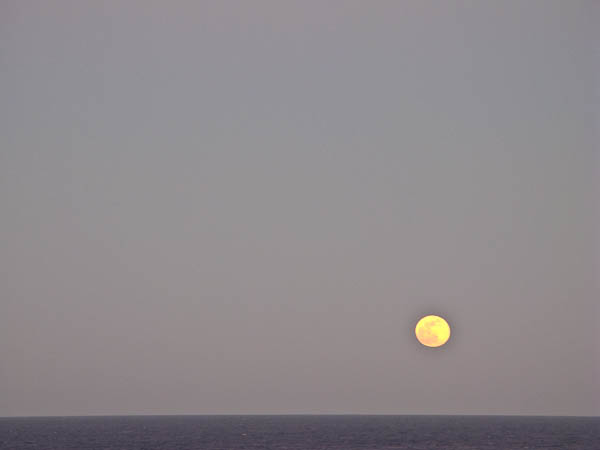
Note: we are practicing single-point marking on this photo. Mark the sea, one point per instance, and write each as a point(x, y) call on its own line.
point(290, 432)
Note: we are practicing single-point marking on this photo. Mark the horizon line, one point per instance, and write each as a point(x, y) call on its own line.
point(290, 414)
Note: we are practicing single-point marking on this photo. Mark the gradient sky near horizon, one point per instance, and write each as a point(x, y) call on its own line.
point(245, 207)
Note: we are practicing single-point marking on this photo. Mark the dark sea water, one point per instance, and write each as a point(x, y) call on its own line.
point(299, 432)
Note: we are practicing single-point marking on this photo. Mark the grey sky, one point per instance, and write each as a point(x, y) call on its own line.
point(245, 207)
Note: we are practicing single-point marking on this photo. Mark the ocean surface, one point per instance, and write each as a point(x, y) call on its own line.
point(299, 432)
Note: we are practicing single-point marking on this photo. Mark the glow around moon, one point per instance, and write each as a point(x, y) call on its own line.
point(432, 331)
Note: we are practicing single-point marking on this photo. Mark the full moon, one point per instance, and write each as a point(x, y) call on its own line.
point(432, 331)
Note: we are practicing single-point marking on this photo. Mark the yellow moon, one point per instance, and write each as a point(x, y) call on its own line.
point(432, 331)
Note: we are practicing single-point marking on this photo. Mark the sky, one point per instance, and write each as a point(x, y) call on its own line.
point(245, 207)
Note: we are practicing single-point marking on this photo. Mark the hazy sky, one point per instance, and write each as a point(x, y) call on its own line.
point(245, 207)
